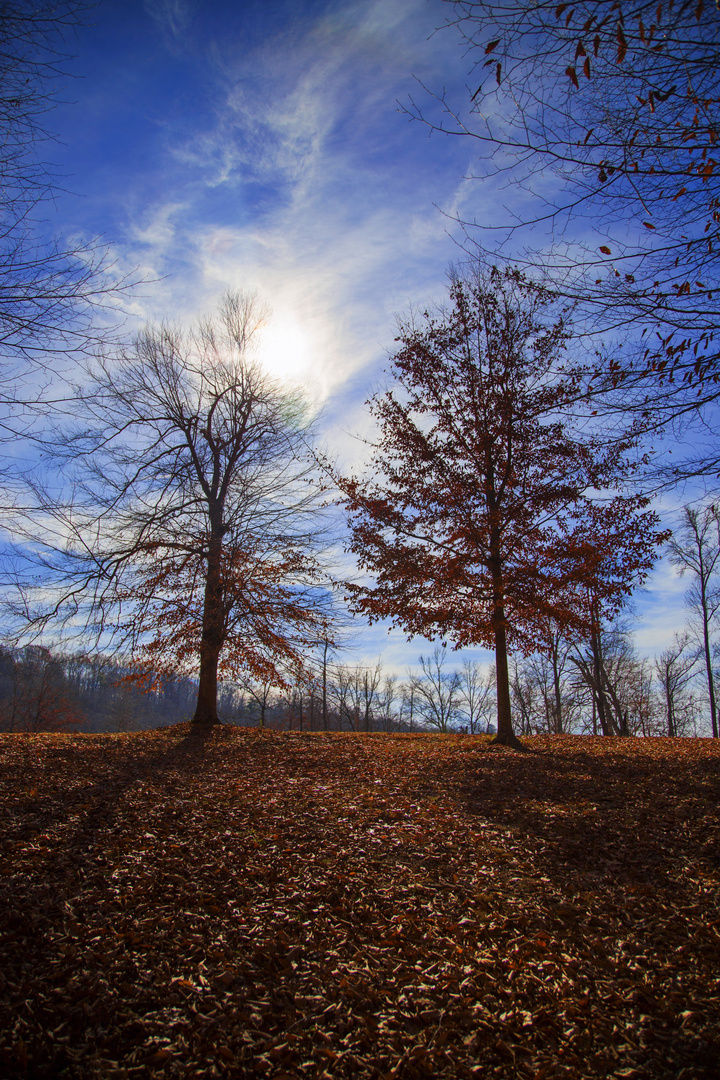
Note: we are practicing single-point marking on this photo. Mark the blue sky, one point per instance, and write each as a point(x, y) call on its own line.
point(262, 147)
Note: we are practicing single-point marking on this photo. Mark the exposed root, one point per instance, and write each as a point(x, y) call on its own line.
point(204, 726)
point(512, 742)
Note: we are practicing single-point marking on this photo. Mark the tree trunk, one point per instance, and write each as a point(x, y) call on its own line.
point(619, 722)
point(206, 708)
point(211, 641)
point(324, 687)
point(558, 725)
point(670, 706)
point(603, 709)
point(505, 734)
point(709, 664)
point(367, 705)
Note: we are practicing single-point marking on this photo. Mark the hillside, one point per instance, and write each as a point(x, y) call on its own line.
point(281, 905)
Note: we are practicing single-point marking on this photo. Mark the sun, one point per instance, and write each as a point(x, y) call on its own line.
point(285, 347)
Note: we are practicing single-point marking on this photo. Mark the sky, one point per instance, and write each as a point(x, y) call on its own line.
point(265, 147)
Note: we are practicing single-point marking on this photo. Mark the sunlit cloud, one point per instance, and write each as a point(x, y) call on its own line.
point(340, 234)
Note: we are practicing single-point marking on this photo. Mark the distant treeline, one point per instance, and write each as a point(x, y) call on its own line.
point(45, 690)
point(568, 689)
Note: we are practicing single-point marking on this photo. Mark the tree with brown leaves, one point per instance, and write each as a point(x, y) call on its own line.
point(489, 512)
point(194, 533)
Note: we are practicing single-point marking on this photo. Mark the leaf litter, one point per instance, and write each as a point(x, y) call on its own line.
point(334, 905)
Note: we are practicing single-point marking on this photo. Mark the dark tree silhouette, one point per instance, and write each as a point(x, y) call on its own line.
point(193, 533)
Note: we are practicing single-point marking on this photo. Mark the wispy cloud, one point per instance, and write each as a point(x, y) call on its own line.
point(304, 187)
point(173, 17)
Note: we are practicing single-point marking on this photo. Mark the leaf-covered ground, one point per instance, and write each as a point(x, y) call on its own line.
point(289, 905)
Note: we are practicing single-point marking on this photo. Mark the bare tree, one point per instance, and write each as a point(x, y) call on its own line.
point(551, 669)
point(355, 694)
point(261, 693)
point(323, 671)
point(437, 691)
point(325, 648)
point(193, 533)
point(594, 665)
point(525, 697)
point(408, 703)
point(620, 684)
point(675, 668)
point(293, 701)
point(386, 714)
point(35, 694)
point(49, 289)
point(643, 706)
point(342, 698)
point(558, 657)
point(478, 698)
point(695, 548)
point(370, 682)
point(618, 103)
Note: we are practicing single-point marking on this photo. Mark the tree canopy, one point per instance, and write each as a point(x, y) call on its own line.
point(488, 513)
point(191, 534)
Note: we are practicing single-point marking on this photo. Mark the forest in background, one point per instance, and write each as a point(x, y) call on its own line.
point(42, 690)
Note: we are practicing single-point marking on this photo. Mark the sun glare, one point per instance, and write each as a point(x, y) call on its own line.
point(285, 348)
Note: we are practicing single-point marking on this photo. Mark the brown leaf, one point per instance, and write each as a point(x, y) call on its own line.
point(527, 915)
